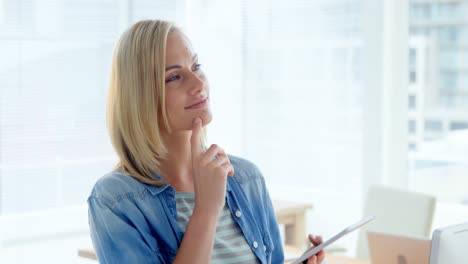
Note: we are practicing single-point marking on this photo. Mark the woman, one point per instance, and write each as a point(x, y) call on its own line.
point(171, 199)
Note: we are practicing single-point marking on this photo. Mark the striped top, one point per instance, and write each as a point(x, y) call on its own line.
point(230, 245)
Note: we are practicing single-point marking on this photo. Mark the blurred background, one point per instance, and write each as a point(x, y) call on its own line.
point(327, 97)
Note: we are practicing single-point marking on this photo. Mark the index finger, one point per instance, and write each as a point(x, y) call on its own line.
point(195, 138)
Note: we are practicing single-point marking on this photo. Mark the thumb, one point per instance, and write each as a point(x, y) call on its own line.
point(195, 139)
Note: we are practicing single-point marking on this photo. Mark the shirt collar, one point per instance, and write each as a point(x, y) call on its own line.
point(155, 190)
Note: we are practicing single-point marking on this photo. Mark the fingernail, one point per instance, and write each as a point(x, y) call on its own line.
point(197, 121)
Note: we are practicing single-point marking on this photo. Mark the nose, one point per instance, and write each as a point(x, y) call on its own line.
point(197, 84)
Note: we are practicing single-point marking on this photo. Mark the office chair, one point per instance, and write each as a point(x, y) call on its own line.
point(396, 212)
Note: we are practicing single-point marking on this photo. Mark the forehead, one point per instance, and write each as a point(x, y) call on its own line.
point(178, 48)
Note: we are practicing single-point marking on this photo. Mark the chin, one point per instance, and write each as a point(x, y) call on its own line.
point(206, 119)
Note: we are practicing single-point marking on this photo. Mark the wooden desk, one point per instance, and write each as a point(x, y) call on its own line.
point(90, 254)
point(344, 260)
point(291, 214)
point(330, 259)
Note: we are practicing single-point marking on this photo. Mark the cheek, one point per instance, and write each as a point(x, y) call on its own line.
point(169, 103)
point(174, 105)
point(173, 101)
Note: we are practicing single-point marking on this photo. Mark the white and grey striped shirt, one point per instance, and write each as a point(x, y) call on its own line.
point(230, 245)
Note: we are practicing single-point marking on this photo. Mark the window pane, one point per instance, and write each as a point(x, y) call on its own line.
point(433, 125)
point(299, 66)
point(439, 158)
point(458, 125)
point(54, 69)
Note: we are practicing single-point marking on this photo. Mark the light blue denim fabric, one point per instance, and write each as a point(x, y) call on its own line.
point(132, 222)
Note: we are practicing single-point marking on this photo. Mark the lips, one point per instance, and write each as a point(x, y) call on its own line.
point(199, 102)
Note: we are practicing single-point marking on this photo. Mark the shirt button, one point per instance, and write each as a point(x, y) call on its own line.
point(264, 248)
point(255, 244)
point(238, 213)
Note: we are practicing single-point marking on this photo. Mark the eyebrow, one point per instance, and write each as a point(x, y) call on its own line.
point(177, 66)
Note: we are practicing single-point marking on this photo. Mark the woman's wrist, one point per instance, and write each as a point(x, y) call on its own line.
point(206, 212)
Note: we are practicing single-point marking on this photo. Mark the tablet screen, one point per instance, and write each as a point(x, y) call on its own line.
point(347, 230)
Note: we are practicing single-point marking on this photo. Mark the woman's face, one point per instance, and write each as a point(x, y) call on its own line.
point(186, 85)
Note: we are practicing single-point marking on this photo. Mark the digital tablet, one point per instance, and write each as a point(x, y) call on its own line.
point(347, 230)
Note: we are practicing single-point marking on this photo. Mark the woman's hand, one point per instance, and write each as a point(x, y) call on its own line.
point(320, 256)
point(209, 173)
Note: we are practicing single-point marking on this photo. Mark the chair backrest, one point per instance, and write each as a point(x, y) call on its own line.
point(396, 212)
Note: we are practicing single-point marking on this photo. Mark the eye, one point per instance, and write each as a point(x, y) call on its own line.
point(173, 78)
point(197, 67)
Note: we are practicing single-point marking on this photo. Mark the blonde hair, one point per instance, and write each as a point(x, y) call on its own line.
point(136, 109)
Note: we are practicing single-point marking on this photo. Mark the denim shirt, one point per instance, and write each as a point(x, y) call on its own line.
point(132, 222)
